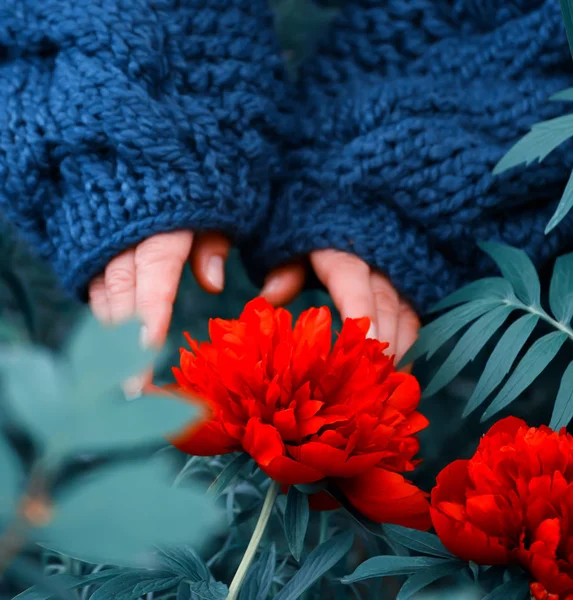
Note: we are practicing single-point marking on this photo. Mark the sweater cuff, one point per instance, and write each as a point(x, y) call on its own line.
point(119, 125)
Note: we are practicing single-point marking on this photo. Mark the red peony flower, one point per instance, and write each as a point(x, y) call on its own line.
point(306, 413)
point(512, 502)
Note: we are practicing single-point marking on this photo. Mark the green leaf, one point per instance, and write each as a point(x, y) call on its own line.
point(209, 590)
point(70, 582)
point(567, 11)
point(433, 336)
point(184, 561)
point(296, 521)
point(38, 403)
point(134, 584)
point(384, 566)
point(468, 347)
point(501, 360)
point(11, 477)
point(319, 561)
point(421, 580)
point(563, 208)
point(420, 541)
point(517, 268)
point(565, 95)
point(541, 353)
point(120, 512)
point(515, 589)
point(115, 423)
point(102, 358)
point(561, 289)
point(543, 138)
point(259, 580)
point(228, 474)
point(482, 289)
point(563, 409)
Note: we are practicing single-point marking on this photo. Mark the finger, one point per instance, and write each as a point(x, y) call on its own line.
point(120, 286)
point(408, 330)
point(347, 279)
point(159, 262)
point(210, 251)
point(387, 310)
point(98, 300)
point(284, 284)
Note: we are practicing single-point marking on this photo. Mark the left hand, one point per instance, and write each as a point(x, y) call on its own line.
point(357, 291)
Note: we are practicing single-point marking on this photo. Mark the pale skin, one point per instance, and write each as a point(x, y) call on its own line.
point(144, 280)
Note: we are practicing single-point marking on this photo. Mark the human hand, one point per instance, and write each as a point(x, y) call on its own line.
point(357, 291)
point(144, 280)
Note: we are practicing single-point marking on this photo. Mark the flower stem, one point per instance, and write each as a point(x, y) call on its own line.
point(260, 527)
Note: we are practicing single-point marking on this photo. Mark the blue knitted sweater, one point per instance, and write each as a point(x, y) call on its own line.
point(124, 118)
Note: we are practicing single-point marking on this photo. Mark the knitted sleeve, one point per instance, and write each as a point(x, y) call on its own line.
point(407, 108)
point(120, 119)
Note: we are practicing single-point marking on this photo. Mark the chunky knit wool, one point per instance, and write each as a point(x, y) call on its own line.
point(407, 109)
point(124, 118)
point(120, 119)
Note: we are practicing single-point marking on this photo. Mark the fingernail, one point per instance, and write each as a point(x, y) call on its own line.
point(132, 387)
point(270, 286)
point(144, 337)
point(372, 332)
point(216, 272)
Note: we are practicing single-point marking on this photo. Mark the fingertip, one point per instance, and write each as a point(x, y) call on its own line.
point(208, 259)
point(284, 284)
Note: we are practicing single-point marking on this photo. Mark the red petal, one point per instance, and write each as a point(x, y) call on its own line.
point(387, 497)
point(322, 501)
point(286, 470)
point(406, 395)
point(466, 541)
point(333, 462)
point(509, 425)
point(314, 328)
point(286, 425)
point(208, 439)
point(452, 483)
point(262, 442)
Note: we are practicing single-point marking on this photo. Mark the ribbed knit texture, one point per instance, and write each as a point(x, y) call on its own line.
point(407, 109)
point(124, 118)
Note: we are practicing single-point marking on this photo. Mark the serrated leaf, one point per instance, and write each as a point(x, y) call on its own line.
point(70, 582)
point(10, 479)
point(543, 138)
point(115, 424)
point(134, 584)
point(259, 580)
point(185, 561)
point(39, 403)
point(567, 11)
point(515, 589)
point(565, 95)
point(420, 541)
point(318, 562)
point(209, 590)
point(228, 474)
point(501, 360)
point(433, 336)
point(384, 566)
point(468, 347)
point(120, 512)
point(563, 208)
point(419, 581)
point(541, 353)
point(104, 357)
point(563, 409)
point(296, 521)
point(482, 289)
point(561, 289)
point(517, 268)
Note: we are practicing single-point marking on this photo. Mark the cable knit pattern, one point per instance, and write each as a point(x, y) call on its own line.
point(406, 110)
point(120, 119)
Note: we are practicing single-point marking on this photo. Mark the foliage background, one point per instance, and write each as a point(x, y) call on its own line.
point(38, 311)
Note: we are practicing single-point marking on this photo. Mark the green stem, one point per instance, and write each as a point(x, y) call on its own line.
point(260, 527)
